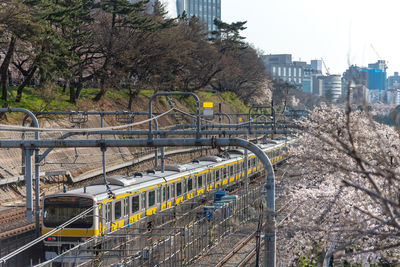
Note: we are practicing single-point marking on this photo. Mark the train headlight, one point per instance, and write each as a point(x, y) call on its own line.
point(85, 238)
point(51, 238)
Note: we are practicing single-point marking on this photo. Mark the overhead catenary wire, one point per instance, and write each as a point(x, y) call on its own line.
point(83, 130)
point(215, 123)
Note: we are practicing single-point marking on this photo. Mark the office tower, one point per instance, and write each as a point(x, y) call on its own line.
point(206, 10)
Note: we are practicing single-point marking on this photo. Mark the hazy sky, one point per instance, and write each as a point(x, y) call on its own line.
point(340, 31)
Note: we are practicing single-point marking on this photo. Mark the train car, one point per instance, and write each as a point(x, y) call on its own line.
point(144, 194)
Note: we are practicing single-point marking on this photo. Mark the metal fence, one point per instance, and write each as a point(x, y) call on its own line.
point(181, 237)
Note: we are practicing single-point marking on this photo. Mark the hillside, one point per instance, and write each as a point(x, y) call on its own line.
point(80, 161)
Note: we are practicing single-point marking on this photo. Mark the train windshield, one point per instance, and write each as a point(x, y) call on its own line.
point(59, 210)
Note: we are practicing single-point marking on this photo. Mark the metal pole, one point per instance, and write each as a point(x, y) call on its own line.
point(37, 193)
point(156, 150)
point(28, 181)
point(162, 159)
point(219, 117)
point(28, 173)
point(246, 181)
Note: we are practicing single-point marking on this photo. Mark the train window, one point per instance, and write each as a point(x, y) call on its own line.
point(190, 184)
point(173, 191)
point(178, 189)
point(224, 172)
point(163, 194)
point(168, 193)
point(217, 175)
point(200, 181)
point(117, 210)
point(152, 198)
point(135, 204)
point(249, 164)
point(208, 175)
point(231, 170)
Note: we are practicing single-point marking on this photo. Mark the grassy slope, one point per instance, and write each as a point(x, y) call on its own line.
point(35, 100)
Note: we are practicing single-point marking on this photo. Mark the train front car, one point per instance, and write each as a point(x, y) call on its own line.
point(61, 208)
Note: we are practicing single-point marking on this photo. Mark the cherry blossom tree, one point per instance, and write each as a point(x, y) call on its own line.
point(343, 191)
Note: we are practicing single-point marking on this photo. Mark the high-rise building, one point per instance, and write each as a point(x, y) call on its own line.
point(355, 79)
point(377, 78)
point(394, 81)
point(206, 10)
point(316, 66)
point(282, 67)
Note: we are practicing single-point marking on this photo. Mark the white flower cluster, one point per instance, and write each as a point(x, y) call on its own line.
point(344, 189)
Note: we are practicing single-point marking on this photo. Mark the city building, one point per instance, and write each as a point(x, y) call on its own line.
point(318, 84)
point(332, 87)
point(393, 93)
point(376, 79)
point(376, 76)
point(355, 79)
point(307, 77)
point(206, 10)
point(393, 96)
point(316, 66)
point(366, 84)
point(282, 67)
point(394, 81)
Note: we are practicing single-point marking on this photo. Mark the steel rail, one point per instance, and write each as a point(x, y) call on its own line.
point(249, 256)
point(235, 250)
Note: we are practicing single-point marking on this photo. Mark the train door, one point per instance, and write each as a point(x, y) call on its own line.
point(159, 197)
point(200, 184)
point(172, 193)
point(217, 178)
point(231, 173)
point(151, 202)
point(117, 221)
point(126, 210)
point(134, 208)
point(208, 180)
point(163, 199)
point(144, 202)
point(224, 175)
point(190, 185)
point(106, 217)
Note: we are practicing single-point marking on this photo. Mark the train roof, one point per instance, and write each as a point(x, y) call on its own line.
point(143, 180)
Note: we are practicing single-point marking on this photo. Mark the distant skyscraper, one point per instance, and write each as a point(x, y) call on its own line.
point(394, 81)
point(316, 66)
point(282, 67)
point(206, 10)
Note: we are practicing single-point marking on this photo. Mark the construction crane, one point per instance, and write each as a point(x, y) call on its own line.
point(376, 52)
point(379, 57)
point(326, 68)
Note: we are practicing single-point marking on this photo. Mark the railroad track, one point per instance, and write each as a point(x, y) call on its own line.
point(19, 230)
point(13, 223)
point(234, 259)
point(11, 216)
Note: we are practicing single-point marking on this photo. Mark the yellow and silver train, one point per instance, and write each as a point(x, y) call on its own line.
point(144, 194)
